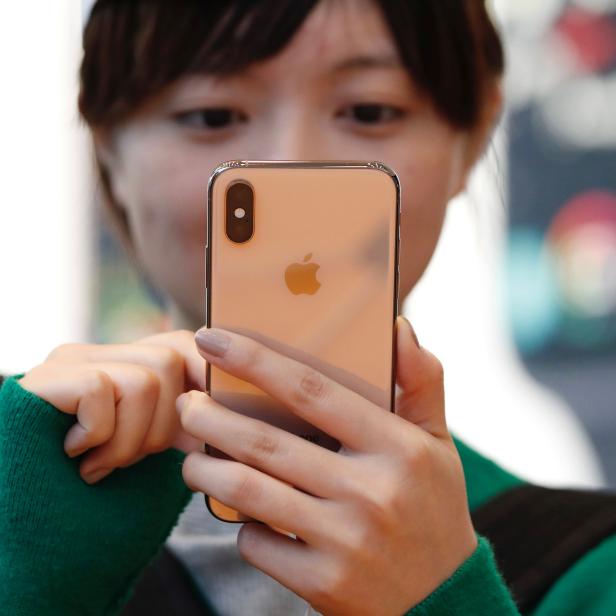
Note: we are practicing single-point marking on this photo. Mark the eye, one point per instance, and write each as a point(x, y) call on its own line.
point(369, 114)
point(211, 118)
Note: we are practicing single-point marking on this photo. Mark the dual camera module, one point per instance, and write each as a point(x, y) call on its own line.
point(239, 212)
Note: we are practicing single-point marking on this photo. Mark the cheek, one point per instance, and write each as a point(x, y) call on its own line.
point(428, 179)
point(166, 197)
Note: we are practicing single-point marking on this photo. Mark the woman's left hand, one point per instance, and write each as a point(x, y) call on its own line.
point(381, 523)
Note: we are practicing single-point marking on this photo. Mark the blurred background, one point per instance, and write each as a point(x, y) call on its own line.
point(519, 302)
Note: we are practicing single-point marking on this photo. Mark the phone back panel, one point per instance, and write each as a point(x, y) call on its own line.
point(317, 281)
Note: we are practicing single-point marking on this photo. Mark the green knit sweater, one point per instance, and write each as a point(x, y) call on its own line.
point(71, 549)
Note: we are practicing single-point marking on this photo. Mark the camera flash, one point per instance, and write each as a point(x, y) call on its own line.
point(239, 212)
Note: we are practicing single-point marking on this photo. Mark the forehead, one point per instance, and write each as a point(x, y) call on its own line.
point(337, 34)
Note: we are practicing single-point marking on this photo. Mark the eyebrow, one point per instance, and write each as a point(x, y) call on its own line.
point(389, 61)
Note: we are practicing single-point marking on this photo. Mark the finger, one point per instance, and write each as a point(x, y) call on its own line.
point(278, 453)
point(84, 391)
point(180, 369)
point(183, 342)
point(164, 354)
point(138, 390)
point(290, 562)
point(419, 374)
point(340, 412)
point(170, 367)
point(255, 494)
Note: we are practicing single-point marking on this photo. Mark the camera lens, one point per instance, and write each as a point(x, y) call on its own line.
point(239, 212)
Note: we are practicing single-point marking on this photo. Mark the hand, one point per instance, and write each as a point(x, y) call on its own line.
point(123, 396)
point(379, 524)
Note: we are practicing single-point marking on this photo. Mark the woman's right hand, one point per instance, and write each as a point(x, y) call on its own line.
point(123, 396)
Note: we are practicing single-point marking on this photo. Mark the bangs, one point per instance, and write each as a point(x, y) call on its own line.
point(244, 31)
point(133, 49)
point(145, 45)
point(451, 51)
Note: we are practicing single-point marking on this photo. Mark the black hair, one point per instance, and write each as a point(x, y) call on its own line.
point(134, 48)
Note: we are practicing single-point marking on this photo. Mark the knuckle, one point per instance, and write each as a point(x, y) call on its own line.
point(311, 386)
point(156, 443)
point(158, 447)
point(169, 361)
point(352, 485)
point(416, 456)
point(376, 507)
point(98, 382)
point(329, 585)
point(262, 447)
point(145, 382)
point(123, 457)
point(186, 333)
point(252, 353)
point(99, 386)
point(435, 368)
point(353, 539)
point(243, 487)
point(65, 351)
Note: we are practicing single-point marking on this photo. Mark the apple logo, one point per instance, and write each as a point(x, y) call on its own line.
point(302, 277)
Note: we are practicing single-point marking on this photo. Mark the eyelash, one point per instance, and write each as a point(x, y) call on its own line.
point(394, 113)
point(222, 115)
point(216, 113)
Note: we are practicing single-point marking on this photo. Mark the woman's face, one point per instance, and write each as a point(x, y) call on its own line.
point(336, 91)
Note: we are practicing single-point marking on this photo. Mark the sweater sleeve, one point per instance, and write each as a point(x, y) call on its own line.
point(68, 548)
point(588, 587)
point(476, 587)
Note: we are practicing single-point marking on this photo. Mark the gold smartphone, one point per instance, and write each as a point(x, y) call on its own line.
point(302, 256)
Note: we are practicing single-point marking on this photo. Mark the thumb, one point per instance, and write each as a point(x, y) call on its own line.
point(419, 374)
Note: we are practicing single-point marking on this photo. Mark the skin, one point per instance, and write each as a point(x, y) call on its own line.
point(400, 481)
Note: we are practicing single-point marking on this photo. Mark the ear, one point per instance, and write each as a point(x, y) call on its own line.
point(477, 138)
point(103, 145)
point(106, 152)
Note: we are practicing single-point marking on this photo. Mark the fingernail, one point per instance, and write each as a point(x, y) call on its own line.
point(74, 452)
point(76, 441)
point(412, 331)
point(212, 342)
point(94, 476)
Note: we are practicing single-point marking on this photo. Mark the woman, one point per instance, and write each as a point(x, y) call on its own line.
point(168, 90)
